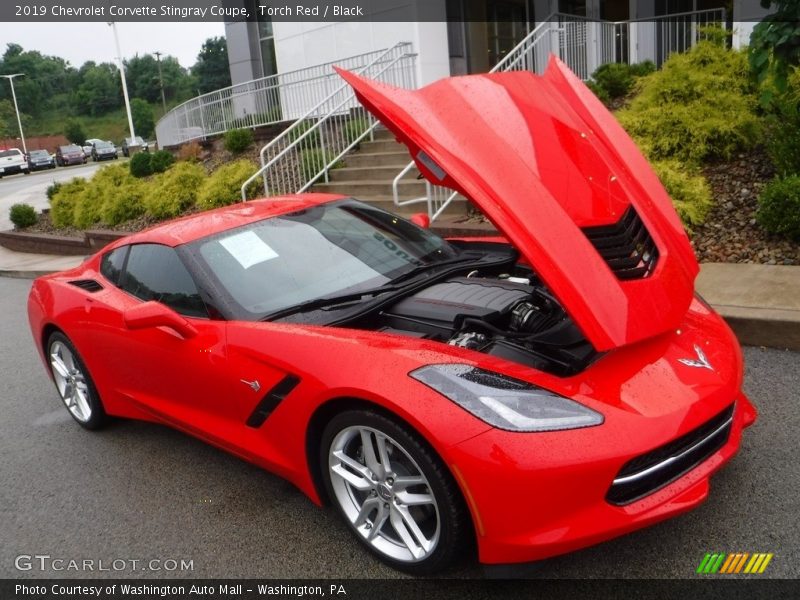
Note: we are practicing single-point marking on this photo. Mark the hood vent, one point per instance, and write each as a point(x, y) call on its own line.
point(90, 285)
point(626, 246)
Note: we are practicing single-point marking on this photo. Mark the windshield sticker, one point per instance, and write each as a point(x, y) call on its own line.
point(248, 249)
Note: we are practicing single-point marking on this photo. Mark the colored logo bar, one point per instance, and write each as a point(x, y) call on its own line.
point(736, 562)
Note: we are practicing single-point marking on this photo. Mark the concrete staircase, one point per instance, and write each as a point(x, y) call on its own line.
point(369, 172)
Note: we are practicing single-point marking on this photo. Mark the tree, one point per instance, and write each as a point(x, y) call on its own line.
point(775, 44)
point(8, 120)
point(211, 69)
point(73, 131)
point(142, 114)
point(45, 77)
point(100, 90)
point(143, 78)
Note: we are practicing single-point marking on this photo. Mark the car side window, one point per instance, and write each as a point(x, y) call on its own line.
point(156, 272)
point(112, 263)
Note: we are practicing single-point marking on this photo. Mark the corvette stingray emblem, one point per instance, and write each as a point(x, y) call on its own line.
point(253, 384)
point(700, 363)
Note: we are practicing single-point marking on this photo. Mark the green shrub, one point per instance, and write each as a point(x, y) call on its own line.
point(615, 78)
point(354, 128)
point(103, 189)
point(141, 164)
point(223, 186)
point(172, 192)
point(160, 161)
point(52, 189)
point(779, 207)
point(689, 191)
point(73, 131)
point(600, 92)
point(62, 204)
point(23, 215)
point(782, 135)
point(700, 105)
point(311, 140)
point(238, 140)
point(122, 198)
point(642, 69)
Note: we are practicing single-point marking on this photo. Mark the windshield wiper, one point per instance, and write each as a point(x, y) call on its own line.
point(470, 257)
point(327, 301)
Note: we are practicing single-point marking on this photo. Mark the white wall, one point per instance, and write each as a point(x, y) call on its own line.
point(305, 44)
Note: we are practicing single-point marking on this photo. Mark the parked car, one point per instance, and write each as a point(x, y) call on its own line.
point(40, 159)
point(70, 155)
point(92, 141)
point(87, 151)
point(104, 151)
point(137, 142)
point(526, 395)
point(12, 160)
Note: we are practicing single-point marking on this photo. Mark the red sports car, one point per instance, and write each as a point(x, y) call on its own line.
point(524, 395)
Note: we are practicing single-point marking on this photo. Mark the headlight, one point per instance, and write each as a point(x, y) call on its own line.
point(504, 402)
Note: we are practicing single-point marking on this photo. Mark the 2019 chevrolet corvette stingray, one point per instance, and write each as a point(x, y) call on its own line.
point(525, 395)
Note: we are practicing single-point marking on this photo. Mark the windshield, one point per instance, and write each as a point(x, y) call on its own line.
point(40, 153)
point(65, 149)
point(5, 153)
point(322, 251)
point(103, 145)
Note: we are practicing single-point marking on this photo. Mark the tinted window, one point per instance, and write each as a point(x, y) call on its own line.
point(112, 263)
point(156, 272)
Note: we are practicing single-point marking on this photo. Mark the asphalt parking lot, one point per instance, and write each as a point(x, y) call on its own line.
point(138, 491)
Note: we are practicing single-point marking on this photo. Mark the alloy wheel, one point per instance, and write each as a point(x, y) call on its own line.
point(70, 381)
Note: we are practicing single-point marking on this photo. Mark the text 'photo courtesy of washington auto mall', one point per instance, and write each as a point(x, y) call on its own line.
point(421, 298)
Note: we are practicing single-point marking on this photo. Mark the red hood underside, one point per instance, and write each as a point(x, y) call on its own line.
point(543, 158)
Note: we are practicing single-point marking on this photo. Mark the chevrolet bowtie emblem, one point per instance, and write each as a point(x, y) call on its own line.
point(700, 363)
point(253, 384)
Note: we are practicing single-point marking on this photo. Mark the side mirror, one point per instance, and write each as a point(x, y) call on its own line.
point(155, 314)
point(421, 220)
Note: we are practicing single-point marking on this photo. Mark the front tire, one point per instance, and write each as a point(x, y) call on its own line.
point(74, 383)
point(393, 491)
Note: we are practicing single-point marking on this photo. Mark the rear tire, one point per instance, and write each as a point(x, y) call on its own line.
point(74, 383)
point(394, 492)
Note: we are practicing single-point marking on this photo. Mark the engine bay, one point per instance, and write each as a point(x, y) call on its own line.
point(512, 317)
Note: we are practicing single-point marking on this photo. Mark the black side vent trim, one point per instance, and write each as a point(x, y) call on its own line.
point(271, 400)
point(626, 246)
point(90, 285)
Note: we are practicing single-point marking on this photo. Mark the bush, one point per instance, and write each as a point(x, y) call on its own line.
point(311, 140)
point(107, 185)
point(141, 164)
point(354, 128)
point(598, 91)
point(700, 105)
point(689, 191)
point(23, 215)
point(63, 202)
point(642, 69)
point(779, 207)
point(615, 78)
point(160, 161)
point(121, 197)
point(223, 186)
point(172, 192)
point(52, 189)
point(73, 131)
point(782, 136)
point(238, 140)
point(190, 151)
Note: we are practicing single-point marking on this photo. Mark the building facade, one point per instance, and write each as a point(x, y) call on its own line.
point(472, 36)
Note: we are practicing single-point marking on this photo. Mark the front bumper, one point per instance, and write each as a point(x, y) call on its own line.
point(12, 169)
point(542, 507)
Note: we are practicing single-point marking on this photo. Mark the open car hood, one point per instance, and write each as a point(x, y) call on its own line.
point(555, 173)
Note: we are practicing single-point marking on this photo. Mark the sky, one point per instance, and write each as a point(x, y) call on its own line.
point(79, 42)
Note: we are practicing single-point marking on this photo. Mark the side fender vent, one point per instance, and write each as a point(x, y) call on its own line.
point(626, 246)
point(90, 285)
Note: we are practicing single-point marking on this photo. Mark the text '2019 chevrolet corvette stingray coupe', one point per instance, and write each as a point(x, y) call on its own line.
point(524, 395)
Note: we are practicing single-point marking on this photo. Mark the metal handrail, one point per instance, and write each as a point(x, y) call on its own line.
point(255, 103)
point(318, 121)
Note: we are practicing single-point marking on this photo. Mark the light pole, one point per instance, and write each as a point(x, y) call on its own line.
point(16, 108)
point(121, 68)
point(161, 82)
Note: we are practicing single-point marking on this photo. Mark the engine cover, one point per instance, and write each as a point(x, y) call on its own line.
point(442, 307)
